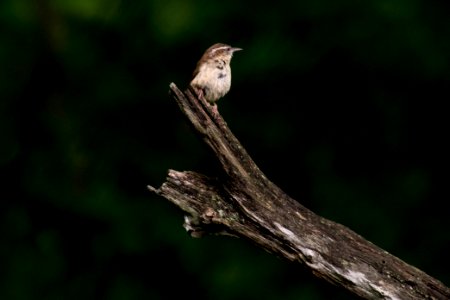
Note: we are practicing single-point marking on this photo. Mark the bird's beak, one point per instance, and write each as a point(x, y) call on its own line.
point(235, 49)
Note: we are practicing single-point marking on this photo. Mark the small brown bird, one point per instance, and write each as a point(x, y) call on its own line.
point(212, 76)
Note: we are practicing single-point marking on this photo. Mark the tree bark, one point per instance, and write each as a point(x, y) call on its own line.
point(243, 202)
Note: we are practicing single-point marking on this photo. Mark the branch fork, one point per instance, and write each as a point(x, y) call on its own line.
point(244, 203)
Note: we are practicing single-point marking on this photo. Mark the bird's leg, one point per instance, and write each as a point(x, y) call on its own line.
point(201, 95)
point(199, 92)
point(215, 110)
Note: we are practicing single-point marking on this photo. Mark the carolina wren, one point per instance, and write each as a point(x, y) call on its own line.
point(212, 76)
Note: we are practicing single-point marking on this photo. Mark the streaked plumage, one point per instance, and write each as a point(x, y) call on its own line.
point(212, 76)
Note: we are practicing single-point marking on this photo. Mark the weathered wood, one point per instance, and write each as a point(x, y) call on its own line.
point(244, 203)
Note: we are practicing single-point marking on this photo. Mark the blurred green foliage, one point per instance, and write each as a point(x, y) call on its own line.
point(341, 103)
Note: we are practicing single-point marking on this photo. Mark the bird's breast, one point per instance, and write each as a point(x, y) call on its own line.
point(215, 82)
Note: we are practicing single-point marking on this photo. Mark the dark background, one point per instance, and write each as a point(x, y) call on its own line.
point(341, 103)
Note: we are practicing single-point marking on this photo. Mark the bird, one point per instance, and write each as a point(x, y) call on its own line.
point(212, 75)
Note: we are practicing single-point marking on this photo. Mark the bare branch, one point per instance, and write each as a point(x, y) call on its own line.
point(245, 203)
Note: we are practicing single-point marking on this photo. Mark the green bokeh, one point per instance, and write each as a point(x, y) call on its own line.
point(341, 103)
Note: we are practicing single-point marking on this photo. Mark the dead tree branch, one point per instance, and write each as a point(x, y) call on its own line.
point(246, 204)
